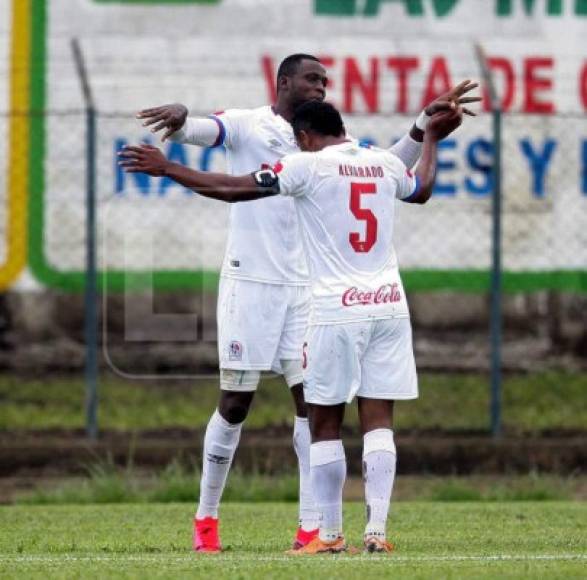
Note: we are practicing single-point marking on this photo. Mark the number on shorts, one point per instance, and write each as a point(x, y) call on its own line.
point(362, 214)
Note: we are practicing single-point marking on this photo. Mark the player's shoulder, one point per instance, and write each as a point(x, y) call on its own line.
point(242, 114)
point(298, 159)
point(391, 160)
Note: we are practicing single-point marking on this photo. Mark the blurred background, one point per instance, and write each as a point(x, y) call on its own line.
point(109, 366)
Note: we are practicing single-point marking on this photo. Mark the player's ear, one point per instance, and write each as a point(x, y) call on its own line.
point(303, 140)
point(282, 83)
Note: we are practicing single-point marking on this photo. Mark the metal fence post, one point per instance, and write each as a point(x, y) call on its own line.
point(91, 283)
point(496, 286)
point(495, 315)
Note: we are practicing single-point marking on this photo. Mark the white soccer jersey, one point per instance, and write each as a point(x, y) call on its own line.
point(264, 237)
point(345, 199)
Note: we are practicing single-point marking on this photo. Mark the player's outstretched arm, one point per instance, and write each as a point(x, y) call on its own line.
point(173, 120)
point(409, 147)
point(229, 188)
point(440, 125)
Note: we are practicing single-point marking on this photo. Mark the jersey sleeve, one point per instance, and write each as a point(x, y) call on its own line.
point(407, 182)
point(294, 173)
point(232, 127)
point(197, 131)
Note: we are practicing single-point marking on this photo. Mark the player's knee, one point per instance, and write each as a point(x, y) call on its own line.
point(234, 407)
point(325, 430)
point(238, 389)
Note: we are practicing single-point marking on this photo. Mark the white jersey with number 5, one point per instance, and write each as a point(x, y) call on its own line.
point(345, 199)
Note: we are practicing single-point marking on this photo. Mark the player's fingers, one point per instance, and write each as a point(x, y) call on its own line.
point(469, 112)
point(150, 112)
point(128, 156)
point(162, 125)
point(130, 151)
point(155, 119)
point(458, 90)
point(469, 87)
point(463, 100)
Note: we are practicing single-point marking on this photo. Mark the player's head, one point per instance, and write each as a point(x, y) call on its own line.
point(301, 78)
point(315, 124)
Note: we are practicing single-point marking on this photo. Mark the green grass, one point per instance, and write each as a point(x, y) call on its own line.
point(106, 484)
point(554, 400)
point(433, 540)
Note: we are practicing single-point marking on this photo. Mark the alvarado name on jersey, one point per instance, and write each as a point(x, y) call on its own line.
point(352, 171)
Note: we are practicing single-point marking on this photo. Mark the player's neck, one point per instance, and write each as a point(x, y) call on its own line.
point(283, 110)
point(329, 140)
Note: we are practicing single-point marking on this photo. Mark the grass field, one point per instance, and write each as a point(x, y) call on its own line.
point(537, 402)
point(433, 540)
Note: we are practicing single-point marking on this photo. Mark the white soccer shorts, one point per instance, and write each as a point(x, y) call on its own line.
point(260, 324)
point(372, 359)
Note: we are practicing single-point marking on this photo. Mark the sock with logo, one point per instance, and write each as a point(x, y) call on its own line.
point(309, 518)
point(220, 443)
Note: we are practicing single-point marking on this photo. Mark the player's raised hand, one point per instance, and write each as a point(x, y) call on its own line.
point(454, 98)
point(444, 123)
point(143, 159)
point(171, 117)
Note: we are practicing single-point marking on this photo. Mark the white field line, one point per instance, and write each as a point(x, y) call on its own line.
point(195, 559)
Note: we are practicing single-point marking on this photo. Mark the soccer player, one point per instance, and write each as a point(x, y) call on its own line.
point(263, 301)
point(358, 341)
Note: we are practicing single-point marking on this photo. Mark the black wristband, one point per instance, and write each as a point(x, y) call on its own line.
point(267, 179)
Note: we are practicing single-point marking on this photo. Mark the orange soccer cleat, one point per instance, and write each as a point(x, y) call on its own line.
point(206, 537)
point(317, 546)
point(303, 538)
point(377, 545)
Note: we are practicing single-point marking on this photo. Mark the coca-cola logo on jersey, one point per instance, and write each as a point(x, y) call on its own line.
point(385, 294)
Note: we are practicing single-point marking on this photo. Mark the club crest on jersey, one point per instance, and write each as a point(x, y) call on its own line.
point(235, 350)
point(385, 294)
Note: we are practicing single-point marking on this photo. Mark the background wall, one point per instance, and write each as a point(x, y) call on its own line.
point(385, 59)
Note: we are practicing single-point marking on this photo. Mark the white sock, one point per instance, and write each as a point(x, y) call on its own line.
point(309, 517)
point(379, 460)
point(328, 471)
point(220, 443)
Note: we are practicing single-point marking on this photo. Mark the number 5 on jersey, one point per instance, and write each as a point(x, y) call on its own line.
point(362, 214)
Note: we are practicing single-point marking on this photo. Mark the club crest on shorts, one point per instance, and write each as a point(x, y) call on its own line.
point(235, 350)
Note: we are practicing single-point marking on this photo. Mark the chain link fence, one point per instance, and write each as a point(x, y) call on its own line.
point(160, 246)
point(154, 224)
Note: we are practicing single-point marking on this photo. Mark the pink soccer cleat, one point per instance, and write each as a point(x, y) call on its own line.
point(206, 537)
point(303, 538)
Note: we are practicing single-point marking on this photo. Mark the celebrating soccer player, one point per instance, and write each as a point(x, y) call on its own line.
point(358, 342)
point(264, 299)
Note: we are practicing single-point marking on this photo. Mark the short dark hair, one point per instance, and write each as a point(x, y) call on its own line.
point(317, 116)
point(289, 65)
